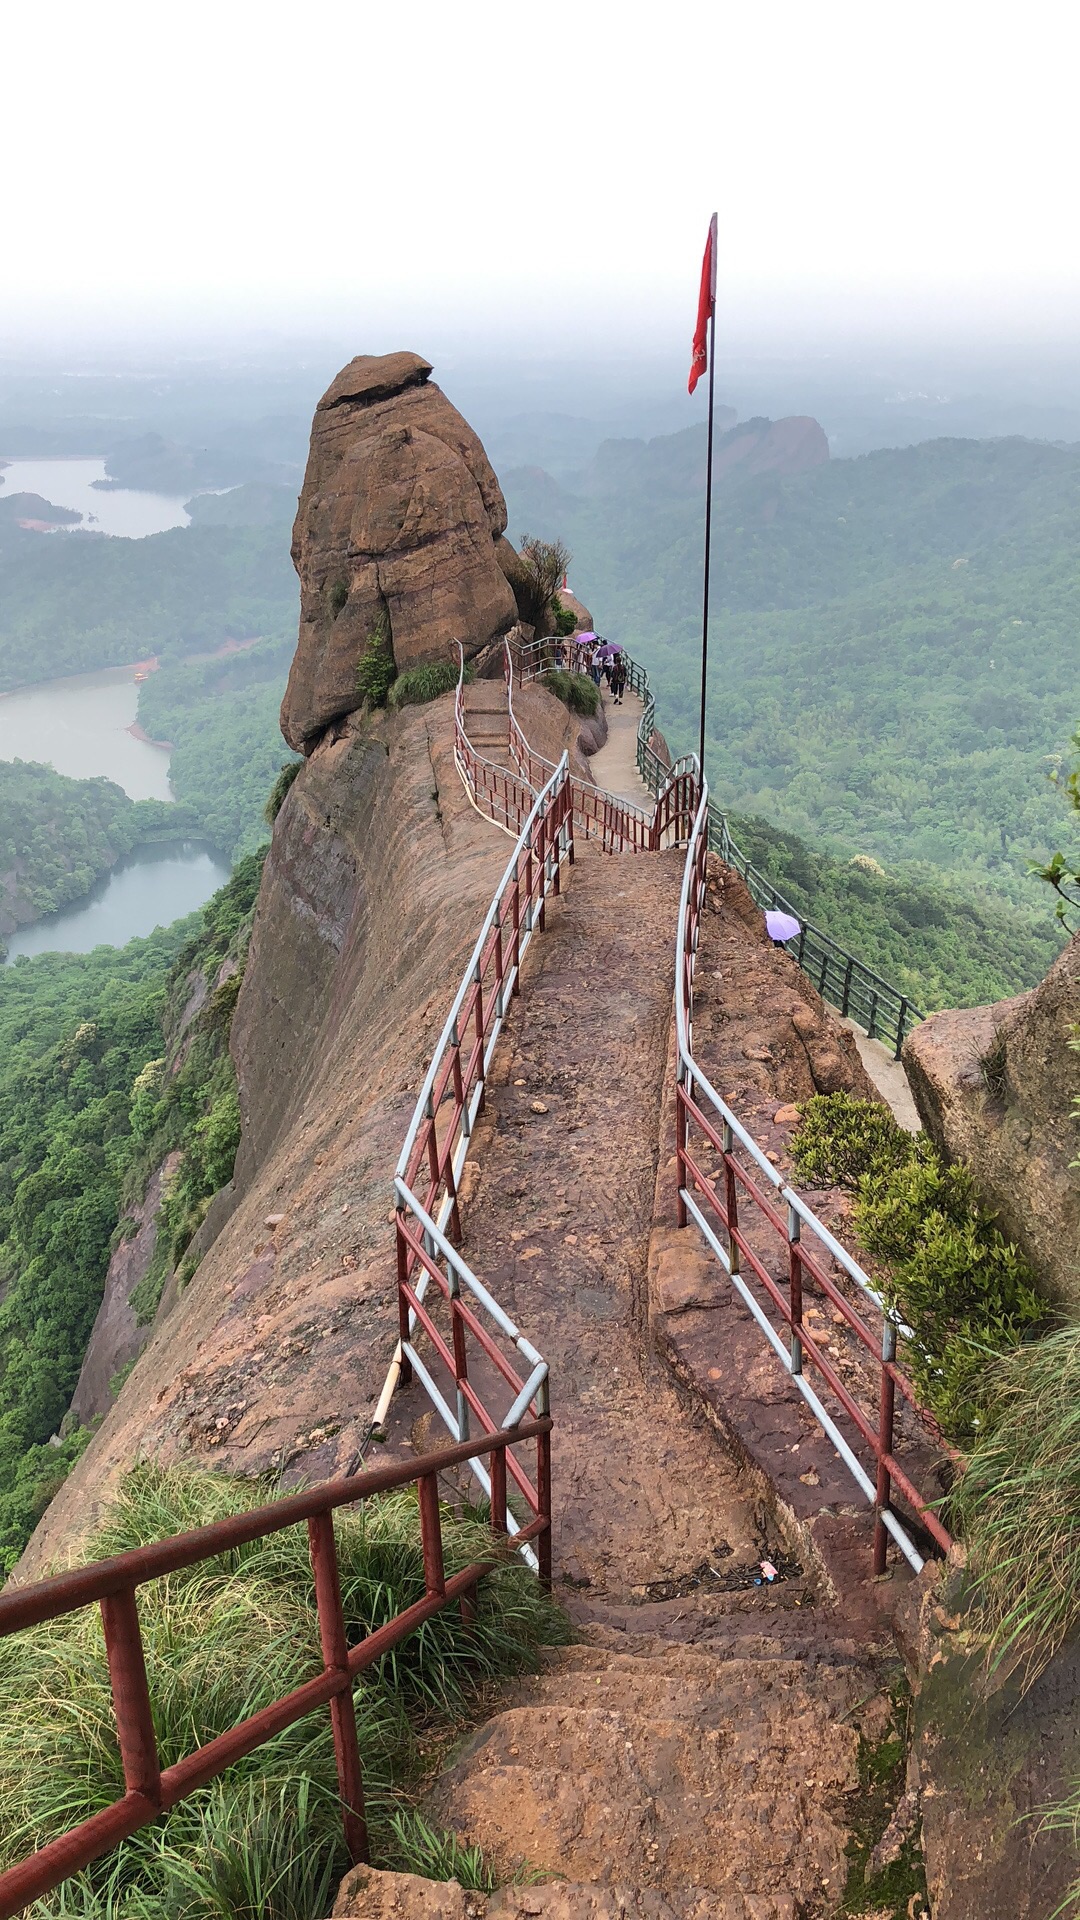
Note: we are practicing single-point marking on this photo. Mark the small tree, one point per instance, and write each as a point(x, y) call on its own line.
point(540, 575)
point(1061, 873)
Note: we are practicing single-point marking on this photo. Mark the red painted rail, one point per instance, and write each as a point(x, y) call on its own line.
point(730, 1201)
point(113, 1584)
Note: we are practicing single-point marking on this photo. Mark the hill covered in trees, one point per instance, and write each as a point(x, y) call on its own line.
point(894, 667)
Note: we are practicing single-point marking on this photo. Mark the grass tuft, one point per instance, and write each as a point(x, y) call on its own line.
point(417, 685)
point(222, 1640)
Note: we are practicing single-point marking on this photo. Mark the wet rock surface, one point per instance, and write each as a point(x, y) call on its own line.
point(396, 538)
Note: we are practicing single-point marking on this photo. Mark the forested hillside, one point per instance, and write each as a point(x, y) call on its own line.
point(78, 601)
point(221, 716)
point(88, 1109)
point(57, 836)
point(894, 656)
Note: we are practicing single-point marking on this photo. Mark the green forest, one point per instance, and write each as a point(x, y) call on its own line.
point(80, 602)
point(89, 1105)
point(222, 718)
point(57, 836)
point(893, 658)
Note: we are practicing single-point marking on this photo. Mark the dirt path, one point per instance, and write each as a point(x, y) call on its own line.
point(559, 1229)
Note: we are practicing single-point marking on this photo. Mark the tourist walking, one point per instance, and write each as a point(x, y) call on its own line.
point(617, 679)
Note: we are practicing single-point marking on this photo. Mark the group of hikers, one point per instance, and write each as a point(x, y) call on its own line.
point(589, 654)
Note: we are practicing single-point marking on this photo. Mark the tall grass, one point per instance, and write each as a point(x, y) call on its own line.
point(222, 1640)
point(1018, 1504)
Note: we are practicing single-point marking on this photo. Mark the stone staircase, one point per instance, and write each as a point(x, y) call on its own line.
point(695, 1754)
point(487, 721)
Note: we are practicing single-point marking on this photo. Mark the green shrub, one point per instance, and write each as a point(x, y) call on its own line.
point(565, 621)
point(417, 685)
point(839, 1139)
point(279, 789)
point(576, 690)
point(222, 1640)
point(949, 1273)
point(375, 667)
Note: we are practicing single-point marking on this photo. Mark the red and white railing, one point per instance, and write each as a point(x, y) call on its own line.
point(454, 1337)
point(716, 1198)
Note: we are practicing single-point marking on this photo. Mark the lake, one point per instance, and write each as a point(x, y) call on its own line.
point(79, 726)
point(66, 482)
point(148, 891)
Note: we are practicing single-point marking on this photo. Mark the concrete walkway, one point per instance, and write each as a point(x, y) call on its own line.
point(615, 766)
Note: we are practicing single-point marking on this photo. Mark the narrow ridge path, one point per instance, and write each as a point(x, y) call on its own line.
point(614, 766)
point(559, 1221)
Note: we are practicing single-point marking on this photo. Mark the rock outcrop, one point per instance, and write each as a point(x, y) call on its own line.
point(996, 1087)
point(396, 539)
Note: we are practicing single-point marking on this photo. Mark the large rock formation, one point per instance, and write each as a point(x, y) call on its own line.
point(996, 1088)
point(397, 538)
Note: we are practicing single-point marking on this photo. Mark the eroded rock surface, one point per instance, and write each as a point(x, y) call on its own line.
point(996, 1088)
point(397, 537)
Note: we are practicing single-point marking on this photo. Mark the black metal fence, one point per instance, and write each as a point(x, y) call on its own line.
point(840, 977)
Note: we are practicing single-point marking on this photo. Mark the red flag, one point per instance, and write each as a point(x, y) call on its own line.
point(706, 308)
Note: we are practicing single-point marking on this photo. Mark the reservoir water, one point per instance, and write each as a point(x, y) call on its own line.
point(148, 891)
point(67, 483)
point(80, 726)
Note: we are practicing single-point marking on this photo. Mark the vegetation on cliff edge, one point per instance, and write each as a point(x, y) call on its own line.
point(224, 1639)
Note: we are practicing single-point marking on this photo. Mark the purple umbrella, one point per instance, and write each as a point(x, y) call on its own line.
point(781, 927)
point(586, 636)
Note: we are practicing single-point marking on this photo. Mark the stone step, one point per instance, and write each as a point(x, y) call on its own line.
point(367, 1894)
point(710, 1784)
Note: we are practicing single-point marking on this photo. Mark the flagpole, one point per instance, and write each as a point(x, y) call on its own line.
point(708, 540)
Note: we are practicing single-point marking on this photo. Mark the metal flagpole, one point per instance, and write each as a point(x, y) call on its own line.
point(708, 499)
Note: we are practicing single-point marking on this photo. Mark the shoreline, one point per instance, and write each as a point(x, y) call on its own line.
point(138, 732)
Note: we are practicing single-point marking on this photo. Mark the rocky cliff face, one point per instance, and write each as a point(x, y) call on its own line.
point(378, 877)
point(996, 1088)
point(397, 537)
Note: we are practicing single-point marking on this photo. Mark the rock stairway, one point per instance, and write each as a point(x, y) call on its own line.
point(487, 721)
point(692, 1757)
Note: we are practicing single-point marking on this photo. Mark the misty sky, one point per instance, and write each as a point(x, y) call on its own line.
point(546, 171)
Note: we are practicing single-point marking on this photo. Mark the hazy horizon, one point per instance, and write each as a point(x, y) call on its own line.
point(882, 176)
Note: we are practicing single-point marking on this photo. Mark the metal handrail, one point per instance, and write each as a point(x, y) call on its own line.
point(150, 1789)
point(699, 1106)
point(437, 1141)
point(619, 824)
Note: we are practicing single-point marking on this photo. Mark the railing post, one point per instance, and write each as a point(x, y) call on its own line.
point(794, 1234)
point(405, 1372)
point(846, 994)
point(479, 1010)
point(131, 1695)
point(516, 921)
point(871, 1034)
point(680, 1140)
point(500, 1008)
point(886, 1420)
point(427, 1490)
point(900, 1018)
point(543, 1502)
point(731, 1198)
point(335, 1652)
point(498, 1490)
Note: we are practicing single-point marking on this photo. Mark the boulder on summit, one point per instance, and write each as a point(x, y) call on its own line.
point(396, 538)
